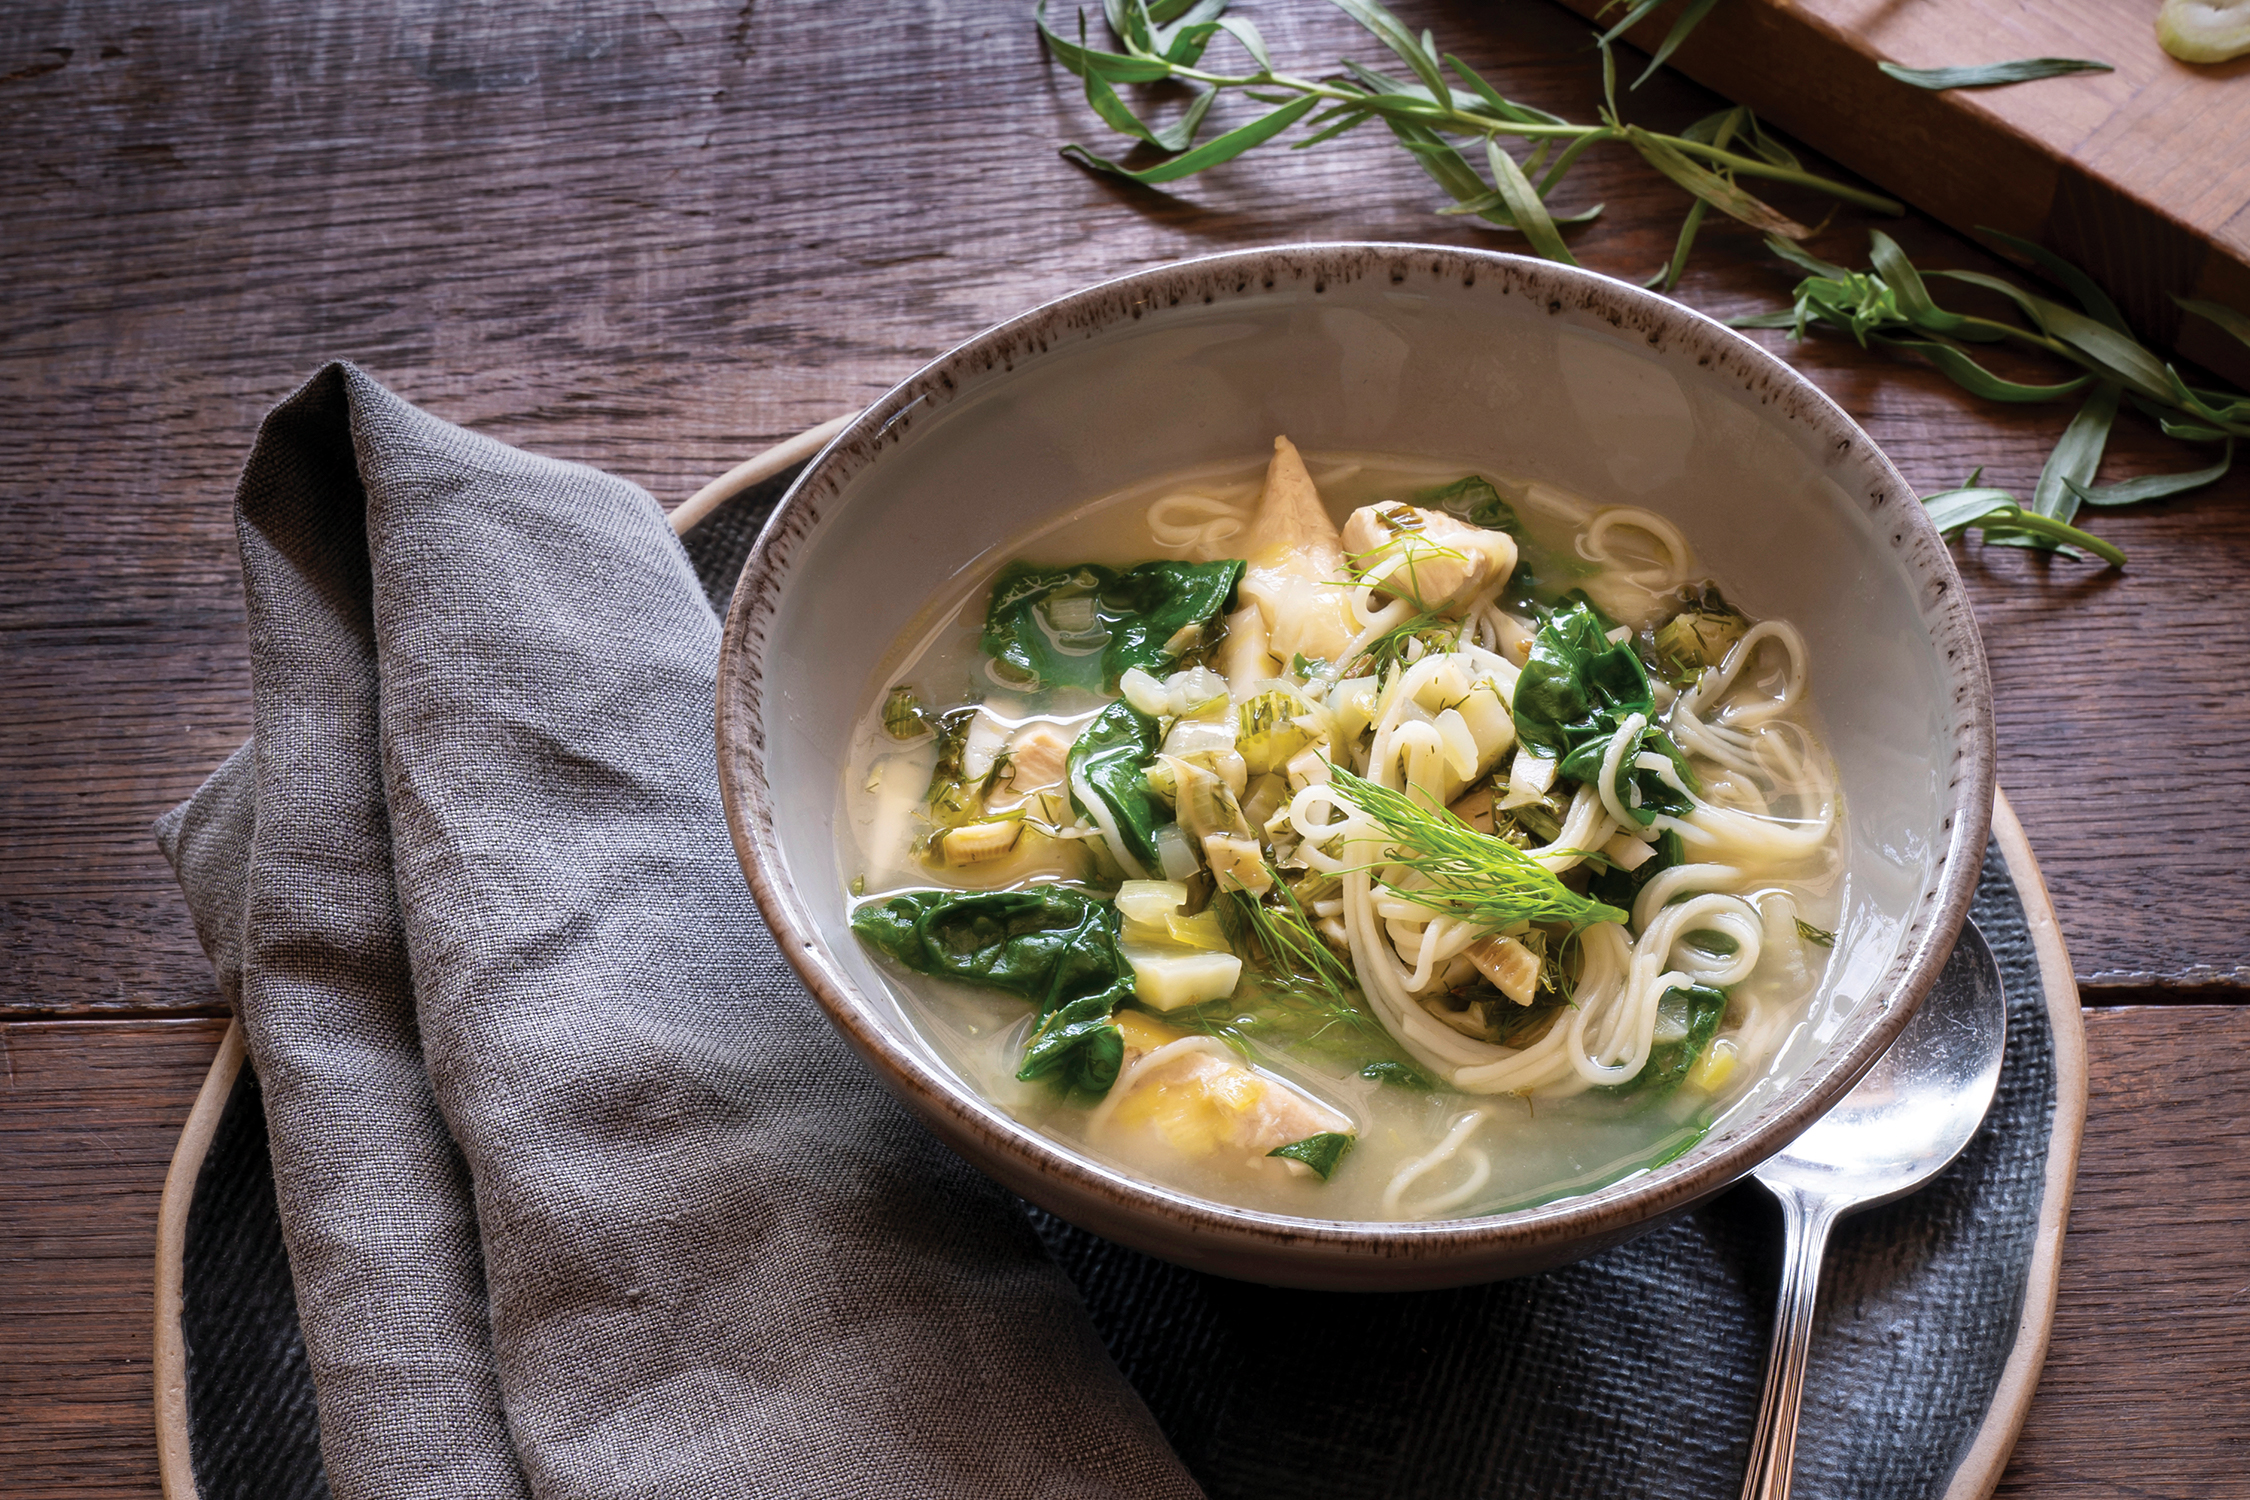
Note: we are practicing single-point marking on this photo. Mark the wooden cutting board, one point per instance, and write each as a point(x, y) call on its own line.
point(2141, 176)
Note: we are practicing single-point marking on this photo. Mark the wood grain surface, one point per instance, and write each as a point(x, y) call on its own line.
point(2140, 175)
point(658, 239)
point(2142, 1394)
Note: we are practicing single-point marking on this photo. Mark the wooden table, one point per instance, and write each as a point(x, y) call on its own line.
point(657, 239)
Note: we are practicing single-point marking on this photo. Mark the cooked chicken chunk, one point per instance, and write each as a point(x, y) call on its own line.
point(1199, 1099)
point(1437, 561)
point(1294, 576)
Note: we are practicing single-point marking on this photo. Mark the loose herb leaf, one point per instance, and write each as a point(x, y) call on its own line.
point(1992, 75)
point(1320, 1152)
point(1818, 936)
point(2078, 456)
point(2152, 486)
point(2218, 312)
point(1426, 113)
point(1084, 627)
point(1997, 514)
point(1051, 945)
point(1689, 19)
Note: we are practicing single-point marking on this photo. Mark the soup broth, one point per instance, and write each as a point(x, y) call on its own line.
point(1416, 843)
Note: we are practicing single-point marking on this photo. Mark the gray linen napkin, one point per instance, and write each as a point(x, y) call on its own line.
point(581, 1195)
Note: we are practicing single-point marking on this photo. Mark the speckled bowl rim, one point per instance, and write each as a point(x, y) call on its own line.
point(1551, 1232)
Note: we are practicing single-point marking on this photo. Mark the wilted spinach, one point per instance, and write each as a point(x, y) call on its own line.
point(1577, 691)
point(1084, 627)
point(1051, 945)
point(1110, 758)
point(1320, 1152)
point(1668, 1062)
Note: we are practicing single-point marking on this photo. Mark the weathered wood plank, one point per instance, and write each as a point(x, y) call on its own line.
point(88, 1117)
point(658, 244)
point(2139, 175)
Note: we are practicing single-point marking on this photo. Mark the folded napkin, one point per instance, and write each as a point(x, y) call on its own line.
point(582, 1197)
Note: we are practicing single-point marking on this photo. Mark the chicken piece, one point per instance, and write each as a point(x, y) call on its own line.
point(1037, 758)
point(1196, 1097)
point(1294, 574)
point(1443, 562)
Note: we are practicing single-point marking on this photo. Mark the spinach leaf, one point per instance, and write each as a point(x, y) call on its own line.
point(1084, 627)
point(1474, 499)
point(1577, 689)
point(1320, 1152)
point(1052, 945)
point(1110, 759)
point(1404, 1075)
point(1668, 1062)
point(1621, 888)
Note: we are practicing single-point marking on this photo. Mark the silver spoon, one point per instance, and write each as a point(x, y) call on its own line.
point(1898, 1127)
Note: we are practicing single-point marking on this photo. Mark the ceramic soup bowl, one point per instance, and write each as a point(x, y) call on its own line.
point(1536, 370)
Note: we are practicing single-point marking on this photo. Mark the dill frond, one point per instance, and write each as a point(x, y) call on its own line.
point(1473, 877)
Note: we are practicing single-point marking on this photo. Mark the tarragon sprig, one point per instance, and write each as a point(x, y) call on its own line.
point(1890, 304)
point(1446, 115)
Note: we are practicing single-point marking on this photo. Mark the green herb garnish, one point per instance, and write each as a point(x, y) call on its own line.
point(1819, 936)
point(1993, 75)
point(1085, 626)
point(1051, 945)
point(1405, 1076)
point(1320, 1152)
point(1473, 877)
point(1890, 304)
point(1443, 104)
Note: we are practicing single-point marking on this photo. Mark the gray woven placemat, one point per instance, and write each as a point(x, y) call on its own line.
point(1635, 1373)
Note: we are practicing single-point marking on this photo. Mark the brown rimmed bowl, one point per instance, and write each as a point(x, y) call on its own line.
point(1536, 370)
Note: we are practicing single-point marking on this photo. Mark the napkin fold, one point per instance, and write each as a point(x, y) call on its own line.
point(582, 1196)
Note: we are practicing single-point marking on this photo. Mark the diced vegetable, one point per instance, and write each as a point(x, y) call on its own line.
point(1268, 734)
point(1169, 978)
point(1712, 1070)
point(1237, 863)
point(1626, 852)
point(974, 843)
point(1698, 636)
point(1199, 931)
point(1512, 968)
point(1150, 901)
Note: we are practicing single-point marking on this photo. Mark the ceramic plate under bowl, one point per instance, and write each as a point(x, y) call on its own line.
point(1532, 370)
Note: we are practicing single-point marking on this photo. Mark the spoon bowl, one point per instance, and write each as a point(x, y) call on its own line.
point(1902, 1124)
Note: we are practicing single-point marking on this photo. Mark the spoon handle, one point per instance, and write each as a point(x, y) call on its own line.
point(1807, 1218)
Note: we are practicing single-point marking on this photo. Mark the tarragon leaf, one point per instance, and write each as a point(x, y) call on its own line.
point(2152, 486)
point(1210, 153)
point(1977, 380)
point(1997, 513)
point(1992, 75)
point(1524, 205)
point(2077, 456)
point(1711, 187)
point(1689, 19)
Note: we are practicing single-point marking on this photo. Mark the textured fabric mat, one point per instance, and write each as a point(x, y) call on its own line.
point(1635, 1373)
